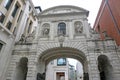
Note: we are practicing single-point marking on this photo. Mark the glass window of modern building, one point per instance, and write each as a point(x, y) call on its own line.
point(61, 61)
point(2, 16)
point(19, 18)
point(15, 10)
point(7, 4)
point(8, 26)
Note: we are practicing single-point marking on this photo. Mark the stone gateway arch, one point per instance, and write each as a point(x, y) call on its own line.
point(64, 31)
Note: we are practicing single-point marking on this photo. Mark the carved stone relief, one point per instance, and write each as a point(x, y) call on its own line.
point(78, 27)
point(45, 29)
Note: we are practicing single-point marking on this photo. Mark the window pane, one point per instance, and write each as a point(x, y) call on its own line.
point(1, 45)
point(14, 31)
point(21, 12)
point(15, 10)
point(29, 27)
point(61, 61)
point(7, 3)
point(1, 17)
point(9, 24)
point(61, 28)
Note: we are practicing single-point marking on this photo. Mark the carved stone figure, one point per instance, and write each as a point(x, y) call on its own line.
point(31, 36)
point(46, 32)
point(78, 27)
point(45, 29)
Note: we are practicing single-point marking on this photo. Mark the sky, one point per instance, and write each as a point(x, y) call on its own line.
point(91, 5)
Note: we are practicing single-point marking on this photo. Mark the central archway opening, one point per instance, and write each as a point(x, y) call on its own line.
point(64, 69)
point(54, 63)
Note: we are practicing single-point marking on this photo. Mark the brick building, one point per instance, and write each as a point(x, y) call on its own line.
point(108, 20)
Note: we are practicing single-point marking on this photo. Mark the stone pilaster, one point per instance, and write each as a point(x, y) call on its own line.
point(93, 67)
point(31, 74)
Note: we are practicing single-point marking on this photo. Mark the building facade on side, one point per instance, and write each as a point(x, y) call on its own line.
point(60, 69)
point(79, 71)
point(72, 72)
point(107, 21)
point(16, 18)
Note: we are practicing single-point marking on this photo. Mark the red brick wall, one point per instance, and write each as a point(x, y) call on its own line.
point(106, 22)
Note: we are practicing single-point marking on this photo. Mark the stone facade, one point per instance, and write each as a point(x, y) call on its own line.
point(61, 39)
point(15, 17)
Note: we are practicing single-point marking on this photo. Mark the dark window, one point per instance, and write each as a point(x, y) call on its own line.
point(19, 16)
point(61, 61)
point(61, 28)
point(8, 3)
point(98, 28)
point(29, 27)
point(8, 26)
point(1, 45)
point(29, 8)
point(2, 16)
point(15, 10)
point(14, 32)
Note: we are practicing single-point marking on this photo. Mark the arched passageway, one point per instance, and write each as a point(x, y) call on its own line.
point(21, 69)
point(105, 68)
point(62, 52)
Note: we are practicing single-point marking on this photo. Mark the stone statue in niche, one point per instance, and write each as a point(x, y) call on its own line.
point(78, 27)
point(46, 32)
point(45, 29)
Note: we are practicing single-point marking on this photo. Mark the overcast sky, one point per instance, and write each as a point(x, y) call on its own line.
point(91, 5)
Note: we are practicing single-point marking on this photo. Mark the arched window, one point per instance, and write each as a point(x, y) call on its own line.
point(21, 69)
point(62, 28)
point(105, 68)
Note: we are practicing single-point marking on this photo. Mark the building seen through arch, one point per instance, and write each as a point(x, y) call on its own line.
point(60, 69)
